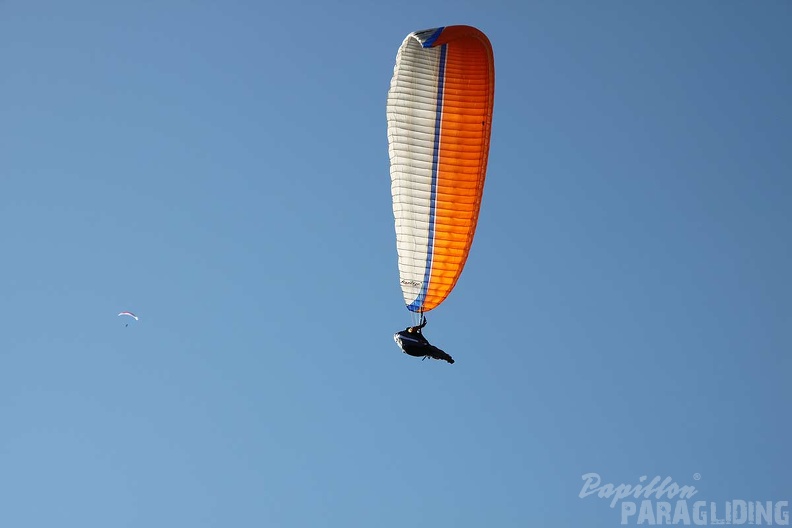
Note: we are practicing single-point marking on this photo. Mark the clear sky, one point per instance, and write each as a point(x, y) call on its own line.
point(221, 169)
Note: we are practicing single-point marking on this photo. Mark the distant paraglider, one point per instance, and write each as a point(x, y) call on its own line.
point(129, 314)
point(439, 114)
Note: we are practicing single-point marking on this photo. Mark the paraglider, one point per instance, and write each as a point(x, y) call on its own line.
point(439, 113)
point(129, 314)
point(412, 342)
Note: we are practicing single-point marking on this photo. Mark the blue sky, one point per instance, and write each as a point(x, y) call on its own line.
point(221, 169)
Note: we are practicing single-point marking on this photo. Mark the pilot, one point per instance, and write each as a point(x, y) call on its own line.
point(412, 342)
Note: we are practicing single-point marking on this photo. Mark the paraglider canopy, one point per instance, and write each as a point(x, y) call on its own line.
point(130, 314)
point(439, 112)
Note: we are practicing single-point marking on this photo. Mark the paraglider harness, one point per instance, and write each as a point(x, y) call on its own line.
point(412, 342)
